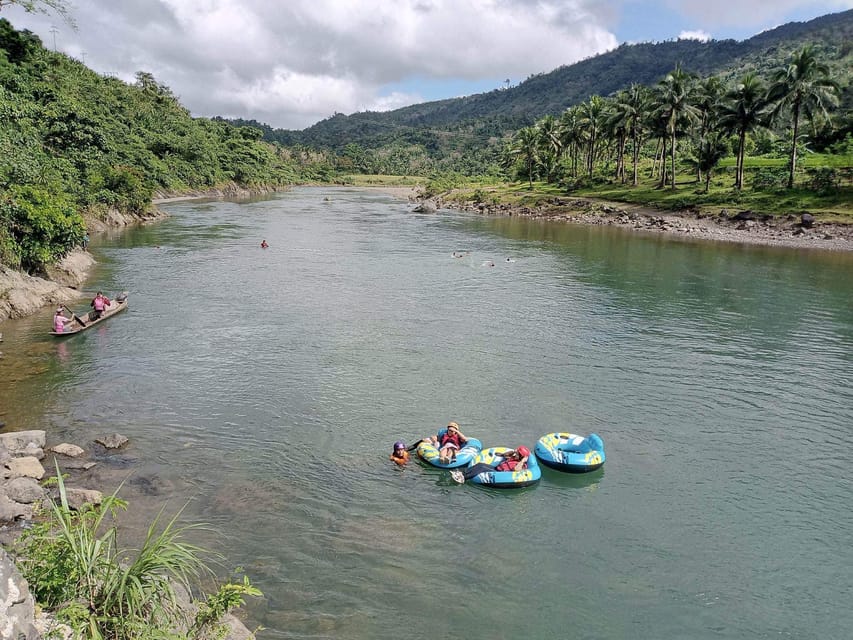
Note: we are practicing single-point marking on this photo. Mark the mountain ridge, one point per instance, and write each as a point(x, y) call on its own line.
point(502, 111)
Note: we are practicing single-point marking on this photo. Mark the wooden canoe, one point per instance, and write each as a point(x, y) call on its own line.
point(76, 326)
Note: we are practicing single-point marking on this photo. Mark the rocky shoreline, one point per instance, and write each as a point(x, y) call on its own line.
point(22, 454)
point(801, 231)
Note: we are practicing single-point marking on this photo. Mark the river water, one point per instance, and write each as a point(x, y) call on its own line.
point(264, 389)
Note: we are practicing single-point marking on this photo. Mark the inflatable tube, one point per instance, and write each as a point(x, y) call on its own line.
point(569, 452)
point(505, 479)
point(428, 452)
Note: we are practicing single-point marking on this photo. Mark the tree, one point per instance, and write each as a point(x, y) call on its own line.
point(711, 149)
point(526, 145)
point(592, 114)
point(805, 87)
point(627, 114)
point(675, 108)
point(571, 134)
point(741, 113)
point(551, 144)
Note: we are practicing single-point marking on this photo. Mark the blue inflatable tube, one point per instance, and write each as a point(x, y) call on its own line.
point(569, 452)
point(428, 452)
point(505, 479)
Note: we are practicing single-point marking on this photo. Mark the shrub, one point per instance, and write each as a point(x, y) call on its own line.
point(75, 568)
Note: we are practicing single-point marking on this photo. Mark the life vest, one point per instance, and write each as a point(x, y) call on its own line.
point(401, 459)
point(508, 465)
point(451, 438)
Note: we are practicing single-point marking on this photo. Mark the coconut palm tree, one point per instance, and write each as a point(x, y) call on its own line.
point(592, 114)
point(628, 109)
point(805, 87)
point(709, 94)
point(526, 146)
point(571, 135)
point(742, 112)
point(675, 107)
point(710, 150)
point(550, 143)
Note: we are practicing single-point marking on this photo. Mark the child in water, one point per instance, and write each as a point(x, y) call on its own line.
point(399, 455)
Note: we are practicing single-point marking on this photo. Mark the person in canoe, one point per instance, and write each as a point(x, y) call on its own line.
point(448, 442)
point(513, 460)
point(399, 455)
point(60, 320)
point(99, 303)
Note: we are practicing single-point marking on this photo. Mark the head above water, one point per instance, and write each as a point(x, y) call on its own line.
point(453, 425)
point(523, 451)
point(399, 445)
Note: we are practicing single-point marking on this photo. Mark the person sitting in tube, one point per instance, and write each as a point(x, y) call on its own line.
point(513, 460)
point(449, 442)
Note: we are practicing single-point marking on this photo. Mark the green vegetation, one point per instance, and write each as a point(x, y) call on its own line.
point(74, 142)
point(76, 569)
point(678, 133)
point(465, 135)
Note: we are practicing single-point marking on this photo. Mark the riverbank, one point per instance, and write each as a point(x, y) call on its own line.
point(23, 295)
point(744, 227)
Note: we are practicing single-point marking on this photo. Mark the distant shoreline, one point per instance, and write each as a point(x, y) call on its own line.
point(734, 227)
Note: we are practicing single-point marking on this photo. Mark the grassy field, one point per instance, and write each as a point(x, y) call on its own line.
point(834, 205)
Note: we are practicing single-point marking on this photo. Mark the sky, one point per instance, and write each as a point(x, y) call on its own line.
point(292, 63)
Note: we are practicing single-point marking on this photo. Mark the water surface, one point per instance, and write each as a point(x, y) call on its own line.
point(267, 387)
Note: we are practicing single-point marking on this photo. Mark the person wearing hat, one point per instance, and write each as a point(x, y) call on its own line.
point(448, 441)
point(59, 321)
point(513, 460)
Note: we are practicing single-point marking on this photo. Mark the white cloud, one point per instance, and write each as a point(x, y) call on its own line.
point(292, 62)
point(699, 35)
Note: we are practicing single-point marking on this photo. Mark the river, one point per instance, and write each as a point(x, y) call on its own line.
point(263, 389)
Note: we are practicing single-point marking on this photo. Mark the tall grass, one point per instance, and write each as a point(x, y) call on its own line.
point(75, 567)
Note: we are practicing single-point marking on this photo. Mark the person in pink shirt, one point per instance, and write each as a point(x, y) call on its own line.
point(59, 321)
point(99, 304)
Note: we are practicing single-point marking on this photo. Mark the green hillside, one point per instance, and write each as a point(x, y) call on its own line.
point(453, 127)
point(73, 142)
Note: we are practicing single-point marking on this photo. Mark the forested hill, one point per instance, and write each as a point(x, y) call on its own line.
point(73, 141)
point(503, 110)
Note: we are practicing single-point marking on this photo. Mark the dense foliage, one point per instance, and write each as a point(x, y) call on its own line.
point(466, 134)
point(683, 127)
point(74, 141)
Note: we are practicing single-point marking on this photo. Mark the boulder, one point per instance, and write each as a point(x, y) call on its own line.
point(427, 206)
point(11, 511)
point(112, 441)
point(17, 607)
point(23, 490)
point(17, 441)
point(70, 450)
point(78, 497)
point(28, 467)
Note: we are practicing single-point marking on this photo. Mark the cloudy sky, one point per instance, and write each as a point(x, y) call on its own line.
point(290, 63)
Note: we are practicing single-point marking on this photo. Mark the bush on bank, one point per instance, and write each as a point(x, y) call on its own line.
point(77, 570)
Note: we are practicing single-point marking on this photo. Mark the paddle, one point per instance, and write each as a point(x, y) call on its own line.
point(415, 446)
point(74, 316)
